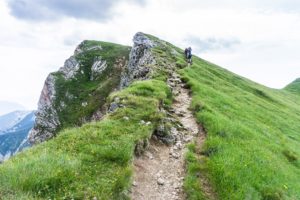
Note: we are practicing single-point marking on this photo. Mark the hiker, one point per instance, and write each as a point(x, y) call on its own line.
point(188, 55)
point(185, 52)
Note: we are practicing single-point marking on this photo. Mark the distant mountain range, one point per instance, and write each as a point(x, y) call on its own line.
point(9, 106)
point(14, 129)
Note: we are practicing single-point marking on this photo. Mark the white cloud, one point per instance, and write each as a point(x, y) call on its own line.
point(265, 36)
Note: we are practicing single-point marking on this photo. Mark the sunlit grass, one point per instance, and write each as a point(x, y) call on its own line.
point(91, 161)
point(253, 132)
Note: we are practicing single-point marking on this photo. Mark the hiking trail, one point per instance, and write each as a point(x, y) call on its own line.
point(159, 173)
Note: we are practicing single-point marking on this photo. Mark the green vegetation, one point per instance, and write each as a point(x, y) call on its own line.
point(294, 87)
point(91, 161)
point(192, 185)
point(81, 89)
point(252, 147)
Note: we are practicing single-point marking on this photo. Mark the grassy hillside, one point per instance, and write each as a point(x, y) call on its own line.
point(294, 87)
point(91, 161)
point(253, 135)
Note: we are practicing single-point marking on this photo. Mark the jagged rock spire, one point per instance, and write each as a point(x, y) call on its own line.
point(140, 59)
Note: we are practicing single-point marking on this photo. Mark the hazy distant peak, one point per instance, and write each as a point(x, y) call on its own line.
point(7, 107)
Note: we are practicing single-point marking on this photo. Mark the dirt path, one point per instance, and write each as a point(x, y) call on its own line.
point(159, 173)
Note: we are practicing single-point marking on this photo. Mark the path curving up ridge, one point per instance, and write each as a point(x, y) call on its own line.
point(160, 172)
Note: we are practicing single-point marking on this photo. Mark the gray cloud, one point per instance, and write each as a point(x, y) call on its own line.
point(203, 45)
point(40, 10)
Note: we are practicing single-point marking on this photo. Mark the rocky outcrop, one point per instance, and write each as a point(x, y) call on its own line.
point(52, 103)
point(140, 60)
point(82, 47)
point(78, 88)
point(98, 67)
point(70, 68)
point(47, 120)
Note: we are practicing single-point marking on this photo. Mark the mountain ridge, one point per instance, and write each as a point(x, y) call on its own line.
point(11, 119)
point(250, 151)
point(14, 138)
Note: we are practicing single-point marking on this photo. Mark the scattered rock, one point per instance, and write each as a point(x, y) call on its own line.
point(154, 137)
point(84, 104)
point(181, 113)
point(178, 145)
point(97, 115)
point(134, 184)
point(126, 118)
point(168, 139)
point(113, 107)
point(148, 123)
point(172, 110)
point(160, 181)
point(149, 155)
point(174, 131)
point(175, 155)
point(188, 139)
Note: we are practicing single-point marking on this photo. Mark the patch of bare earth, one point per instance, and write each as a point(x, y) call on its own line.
point(159, 173)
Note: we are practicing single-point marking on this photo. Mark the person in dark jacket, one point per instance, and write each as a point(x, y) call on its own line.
point(188, 55)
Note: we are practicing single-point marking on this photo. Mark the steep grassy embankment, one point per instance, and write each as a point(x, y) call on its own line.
point(253, 135)
point(91, 161)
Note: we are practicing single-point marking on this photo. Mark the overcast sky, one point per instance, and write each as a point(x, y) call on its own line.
point(258, 39)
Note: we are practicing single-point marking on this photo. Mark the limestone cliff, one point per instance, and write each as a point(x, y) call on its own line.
point(77, 92)
point(47, 120)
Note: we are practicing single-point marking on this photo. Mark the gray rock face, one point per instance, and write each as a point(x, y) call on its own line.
point(70, 68)
point(98, 67)
point(46, 121)
point(81, 48)
point(140, 60)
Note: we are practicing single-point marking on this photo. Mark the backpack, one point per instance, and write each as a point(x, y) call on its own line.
point(189, 54)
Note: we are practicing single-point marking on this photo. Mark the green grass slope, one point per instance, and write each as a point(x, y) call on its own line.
point(253, 135)
point(294, 87)
point(91, 161)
